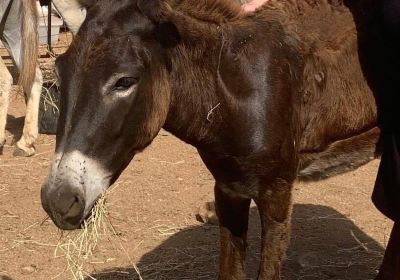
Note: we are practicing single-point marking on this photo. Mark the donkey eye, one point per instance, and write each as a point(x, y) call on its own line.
point(125, 83)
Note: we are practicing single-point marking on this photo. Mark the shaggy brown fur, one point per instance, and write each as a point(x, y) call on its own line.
point(335, 114)
point(336, 103)
point(265, 98)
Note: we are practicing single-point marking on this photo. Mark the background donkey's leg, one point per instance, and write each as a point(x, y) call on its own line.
point(5, 88)
point(275, 208)
point(25, 146)
point(13, 42)
point(233, 215)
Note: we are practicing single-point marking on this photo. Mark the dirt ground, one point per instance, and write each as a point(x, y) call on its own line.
point(337, 233)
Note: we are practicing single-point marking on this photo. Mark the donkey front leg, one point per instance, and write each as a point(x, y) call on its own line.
point(25, 146)
point(233, 215)
point(5, 88)
point(275, 207)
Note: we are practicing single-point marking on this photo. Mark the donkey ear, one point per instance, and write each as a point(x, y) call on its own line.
point(167, 34)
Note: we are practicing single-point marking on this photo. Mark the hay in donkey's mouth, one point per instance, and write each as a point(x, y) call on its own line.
point(79, 248)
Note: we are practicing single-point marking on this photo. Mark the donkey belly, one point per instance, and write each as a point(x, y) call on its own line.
point(340, 156)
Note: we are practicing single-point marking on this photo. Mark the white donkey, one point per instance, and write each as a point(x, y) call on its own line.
point(72, 13)
point(18, 32)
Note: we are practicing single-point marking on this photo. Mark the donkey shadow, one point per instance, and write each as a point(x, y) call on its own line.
point(4, 277)
point(324, 245)
point(15, 126)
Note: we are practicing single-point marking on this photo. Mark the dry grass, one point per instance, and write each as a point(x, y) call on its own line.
point(50, 84)
point(47, 60)
point(78, 249)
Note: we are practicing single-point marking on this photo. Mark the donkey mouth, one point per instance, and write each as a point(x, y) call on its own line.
point(69, 213)
point(68, 221)
point(63, 223)
point(66, 208)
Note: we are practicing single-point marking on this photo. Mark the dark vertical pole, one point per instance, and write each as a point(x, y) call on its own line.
point(49, 27)
point(390, 268)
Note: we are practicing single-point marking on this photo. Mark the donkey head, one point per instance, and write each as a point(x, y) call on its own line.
point(115, 98)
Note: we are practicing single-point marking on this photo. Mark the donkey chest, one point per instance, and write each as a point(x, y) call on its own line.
point(242, 177)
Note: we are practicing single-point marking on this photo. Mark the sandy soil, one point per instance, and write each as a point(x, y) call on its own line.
point(337, 233)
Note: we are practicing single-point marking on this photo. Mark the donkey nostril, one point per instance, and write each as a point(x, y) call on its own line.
point(75, 212)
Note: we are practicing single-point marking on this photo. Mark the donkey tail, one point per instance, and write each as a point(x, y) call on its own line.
point(29, 45)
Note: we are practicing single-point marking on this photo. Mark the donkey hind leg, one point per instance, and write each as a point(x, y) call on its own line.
point(5, 88)
point(275, 208)
point(206, 213)
point(25, 146)
point(233, 215)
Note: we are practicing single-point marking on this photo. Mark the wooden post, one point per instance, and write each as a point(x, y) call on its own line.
point(49, 28)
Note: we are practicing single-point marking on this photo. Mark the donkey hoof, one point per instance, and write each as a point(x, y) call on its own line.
point(206, 214)
point(18, 152)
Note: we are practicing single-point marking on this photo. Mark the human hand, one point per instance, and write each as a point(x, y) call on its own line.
point(253, 5)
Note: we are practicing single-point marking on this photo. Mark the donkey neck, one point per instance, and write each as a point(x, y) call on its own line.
point(196, 103)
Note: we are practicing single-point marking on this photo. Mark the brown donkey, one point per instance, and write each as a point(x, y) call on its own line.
point(265, 98)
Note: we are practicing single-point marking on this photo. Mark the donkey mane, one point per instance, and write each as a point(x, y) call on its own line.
point(210, 11)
